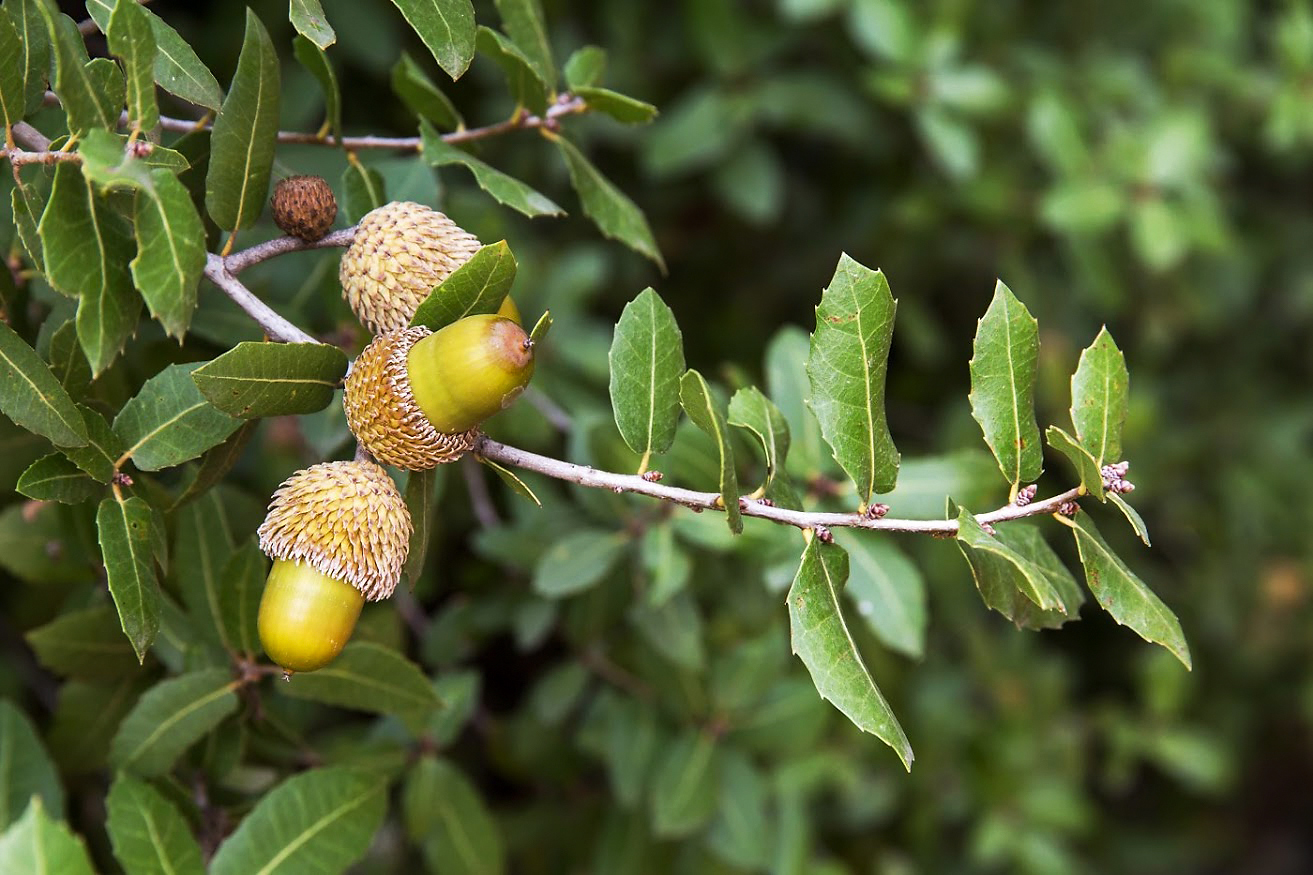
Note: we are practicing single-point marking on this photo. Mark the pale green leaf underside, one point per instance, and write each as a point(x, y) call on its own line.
point(701, 406)
point(447, 27)
point(1087, 467)
point(752, 410)
point(307, 16)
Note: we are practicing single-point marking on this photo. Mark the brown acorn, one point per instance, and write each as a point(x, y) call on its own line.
point(338, 533)
point(399, 253)
point(415, 398)
point(304, 207)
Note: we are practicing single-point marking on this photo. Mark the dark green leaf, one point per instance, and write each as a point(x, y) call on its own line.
point(1087, 467)
point(132, 40)
point(88, 714)
point(615, 215)
point(84, 644)
point(847, 365)
point(683, 796)
point(170, 250)
point(241, 586)
point(420, 487)
point(1009, 582)
point(28, 20)
point(1132, 516)
point(674, 629)
point(55, 478)
point(504, 189)
point(624, 733)
point(87, 248)
point(667, 565)
point(178, 70)
point(126, 533)
point(99, 457)
point(888, 591)
point(526, 85)
point(446, 27)
point(202, 547)
point(41, 544)
point(319, 821)
point(585, 67)
point(703, 409)
point(368, 677)
point(737, 833)
point(1003, 372)
point(272, 379)
point(150, 836)
point(172, 716)
point(245, 134)
point(362, 190)
point(1123, 595)
point(76, 82)
point(312, 57)
point(216, 464)
point(754, 411)
point(37, 845)
point(459, 833)
point(511, 479)
point(1098, 399)
point(821, 639)
point(169, 421)
point(459, 694)
point(647, 361)
point(477, 286)
point(523, 20)
point(1028, 541)
point(576, 562)
point(25, 769)
point(28, 202)
point(67, 361)
point(419, 93)
point(13, 85)
point(620, 107)
point(32, 397)
point(307, 16)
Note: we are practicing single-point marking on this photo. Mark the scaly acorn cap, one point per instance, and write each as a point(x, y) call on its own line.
point(383, 414)
point(344, 519)
point(304, 207)
point(399, 253)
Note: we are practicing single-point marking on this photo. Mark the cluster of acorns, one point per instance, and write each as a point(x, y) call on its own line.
point(339, 532)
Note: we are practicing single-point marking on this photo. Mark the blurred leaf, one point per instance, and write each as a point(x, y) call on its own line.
point(87, 248)
point(585, 67)
point(446, 27)
point(1132, 516)
point(307, 16)
point(102, 451)
point(674, 629)
point(1001, 574)
point(67, 361)
point(55, 478)
point(752, 183)
point(245, 134)
point(420, 486)
point(511, 479)
point(557, 693)
point(647, 361)
point(241, 586)
point(1003, 371)
point(705, 412)
point(627, 739)
point(577, 562)
point(971, 88)
point(847, 364)
point(254, 380)
point(312, 57)
point(32, 397)
point(459, 694)
point(38, 544)
point(84, 644)
point(888, 591)
point(754, 411)
point(419, 93)
point(1158, 234)
point(884, 28)
point(523, 20)
point(699, 129)
point(203, 545)
point(171, 717)
point(1123, 595)
point(951, 141)
point(477, 286)
point(526, 85)
point(615, 215)
point(320, 821)
point(821, 639)
point(459, 833)
point(1098, 399)
point(26, 772)
point(87, 715)
point(1055, 133)
point(667, 564)
point(37, 845)
point(368, 677)
point(215, 464)
point(789, 388)
point(132, 40)
point(1082, 206)
point(621, 107)
point(150, 836)
point(169, 421)
point(504, 189)
point(363, 190)
point(125, 529)
point(1087, 468)
point(178, 70)
point(684, 786)
point(736, 835)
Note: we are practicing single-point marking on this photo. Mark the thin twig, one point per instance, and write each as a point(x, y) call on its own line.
point(699, 501)
point(240, 261)
point(30, 137)
point(19, 157)
point(551, 411)
point(274, 325)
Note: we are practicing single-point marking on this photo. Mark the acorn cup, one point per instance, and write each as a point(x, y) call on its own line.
point(338, 533)
point(415, 398)
point(304, 207)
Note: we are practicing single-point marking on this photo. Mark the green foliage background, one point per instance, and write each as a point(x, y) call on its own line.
point(1141, 165)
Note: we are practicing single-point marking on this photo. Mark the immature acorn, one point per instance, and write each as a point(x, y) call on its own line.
point(338, 533)
point(304, 207)
point(415, 398)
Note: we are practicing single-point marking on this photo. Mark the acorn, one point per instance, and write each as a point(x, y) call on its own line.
point(304, 207)
point(338, 533)
point(415, 398)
